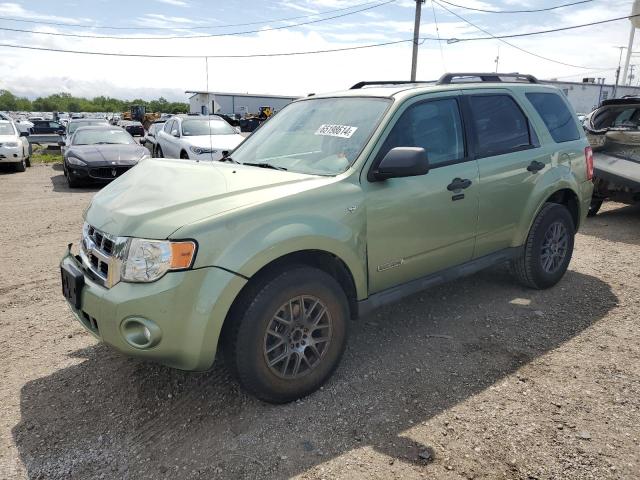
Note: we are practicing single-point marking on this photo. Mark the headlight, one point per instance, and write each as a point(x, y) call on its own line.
point(148, 260)
point(201, 150)
point(11, 144)
point(76, 161)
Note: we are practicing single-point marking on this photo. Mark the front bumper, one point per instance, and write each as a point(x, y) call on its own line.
point(10, 154)
point(186, 309)
point(98, 173)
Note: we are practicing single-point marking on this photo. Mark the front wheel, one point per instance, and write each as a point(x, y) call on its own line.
point(21, 166)
point(548, 249)
point(184, 155)
point(290, 337)
point(159, 153)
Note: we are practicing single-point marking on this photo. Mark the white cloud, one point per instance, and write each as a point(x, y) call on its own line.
point(175, 3)
point(15, 10)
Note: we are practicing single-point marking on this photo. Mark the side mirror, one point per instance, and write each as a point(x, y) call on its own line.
point(175, 133)
point(24, 134)
point(402, 162)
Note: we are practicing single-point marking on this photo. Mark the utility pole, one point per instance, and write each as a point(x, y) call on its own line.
point(635, 23)
point(631, 75)
point(615, 88)
point(416, 39)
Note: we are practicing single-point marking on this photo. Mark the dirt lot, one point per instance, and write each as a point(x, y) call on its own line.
point(476, 379)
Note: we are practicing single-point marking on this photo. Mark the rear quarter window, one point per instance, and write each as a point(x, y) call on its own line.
point(555, 115)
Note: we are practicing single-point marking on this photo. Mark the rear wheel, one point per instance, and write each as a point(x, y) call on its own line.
point(288, 339)
point(548, 249)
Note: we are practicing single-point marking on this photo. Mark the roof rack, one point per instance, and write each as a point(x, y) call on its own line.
point(448, 78)
point(388, 82)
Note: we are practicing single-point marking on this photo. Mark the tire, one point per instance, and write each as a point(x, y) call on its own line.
point(184, 155)
point(159, 153)
point(594, 207)
point(28, 161)
point(73, 182)
point(21, 166)
point(544, 262)
point(248, 347)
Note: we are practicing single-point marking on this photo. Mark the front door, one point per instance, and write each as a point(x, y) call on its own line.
point(420, 225)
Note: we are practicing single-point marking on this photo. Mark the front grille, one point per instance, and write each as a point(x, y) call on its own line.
point(108, 172)
point(99, 254)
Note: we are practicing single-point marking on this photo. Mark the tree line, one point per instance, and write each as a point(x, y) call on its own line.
point(65, 102)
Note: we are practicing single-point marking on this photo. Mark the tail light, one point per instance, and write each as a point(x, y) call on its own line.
point(588, 158)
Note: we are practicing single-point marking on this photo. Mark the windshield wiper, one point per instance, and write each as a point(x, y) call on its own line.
point(229, 159)
point(265, 165)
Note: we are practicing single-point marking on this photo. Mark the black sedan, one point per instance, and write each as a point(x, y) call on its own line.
point(47, 127)
point(100, 154)
point(135, 129)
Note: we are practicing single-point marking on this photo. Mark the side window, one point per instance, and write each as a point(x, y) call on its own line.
point(499, 125)
point(556, 116)
point(435, 126)
point(167, 126)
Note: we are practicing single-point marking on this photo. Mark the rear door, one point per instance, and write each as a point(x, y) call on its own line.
point(510, 161)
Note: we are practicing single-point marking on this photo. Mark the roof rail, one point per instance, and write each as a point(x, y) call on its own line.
point(448, 78)
point(388, 82)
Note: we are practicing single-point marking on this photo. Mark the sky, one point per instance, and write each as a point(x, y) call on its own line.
point(590, 51)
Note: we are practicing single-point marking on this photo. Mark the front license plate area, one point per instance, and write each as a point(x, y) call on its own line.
point(72, 283)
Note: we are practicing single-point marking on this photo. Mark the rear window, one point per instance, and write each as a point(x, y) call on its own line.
point(499, 124)
point(555, 115)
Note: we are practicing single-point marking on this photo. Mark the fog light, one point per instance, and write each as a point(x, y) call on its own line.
point(140, 332)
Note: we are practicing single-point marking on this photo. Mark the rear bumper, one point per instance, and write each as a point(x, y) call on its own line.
point(184, 310)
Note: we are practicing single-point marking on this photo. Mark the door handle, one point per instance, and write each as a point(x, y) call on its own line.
point(535, 166)
point(459, 184)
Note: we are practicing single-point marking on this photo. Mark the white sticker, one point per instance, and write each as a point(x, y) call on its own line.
point(342, 131)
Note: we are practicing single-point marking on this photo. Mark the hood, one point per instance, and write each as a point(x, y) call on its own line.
point(218, 142)
point(96, 154)
point(159, 196)
point(9, 138)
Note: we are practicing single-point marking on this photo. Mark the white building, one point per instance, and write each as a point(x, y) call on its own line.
point(231, 103)
point(586, 96)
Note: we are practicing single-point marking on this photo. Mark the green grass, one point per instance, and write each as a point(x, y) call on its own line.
point(46, 158)
point(42, 155)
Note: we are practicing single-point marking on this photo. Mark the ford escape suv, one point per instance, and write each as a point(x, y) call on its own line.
point(338, 204)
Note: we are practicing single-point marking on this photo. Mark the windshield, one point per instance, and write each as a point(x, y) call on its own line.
point(6, 129)
point(73, 126)
point(203, 126)
point(92, 137)
point(320, 136)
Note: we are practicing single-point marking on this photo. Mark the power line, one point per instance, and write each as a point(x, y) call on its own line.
point(511, 44)
point(516, 11)
point(539, 32)
point(107, 27)
point(253, 55)
point(208, 35)
point(435, 20)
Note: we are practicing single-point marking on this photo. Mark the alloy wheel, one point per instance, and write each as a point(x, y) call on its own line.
point(297, 337)
point(554, 247)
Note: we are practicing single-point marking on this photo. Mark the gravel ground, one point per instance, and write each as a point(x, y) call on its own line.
point(476, 379)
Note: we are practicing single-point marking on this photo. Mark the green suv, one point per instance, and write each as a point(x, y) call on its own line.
point(337, 205)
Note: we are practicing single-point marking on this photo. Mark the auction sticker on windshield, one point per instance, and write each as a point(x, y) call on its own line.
point(342, 131)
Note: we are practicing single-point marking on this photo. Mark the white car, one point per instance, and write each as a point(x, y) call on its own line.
point(23, 125)
point(14, 147)
point(196, 138)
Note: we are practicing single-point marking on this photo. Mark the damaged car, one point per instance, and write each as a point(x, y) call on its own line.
point(613, 130)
